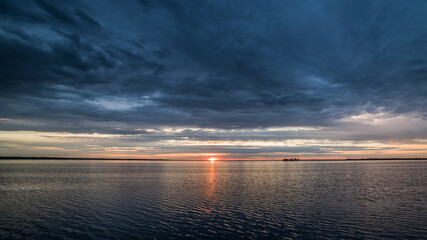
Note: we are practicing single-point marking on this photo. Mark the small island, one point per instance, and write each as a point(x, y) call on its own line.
point(291, 159)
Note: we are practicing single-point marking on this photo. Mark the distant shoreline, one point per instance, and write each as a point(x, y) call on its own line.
point(78, 158)
point(154, 159)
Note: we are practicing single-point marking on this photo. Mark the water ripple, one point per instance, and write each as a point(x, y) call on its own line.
point(157, 200)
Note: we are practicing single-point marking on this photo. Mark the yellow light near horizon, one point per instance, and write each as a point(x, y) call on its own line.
point(212, 159)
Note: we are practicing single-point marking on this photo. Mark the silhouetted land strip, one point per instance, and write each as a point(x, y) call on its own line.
point(364, 159)
point(159, 159)
point(386, 159)
point(70, 158)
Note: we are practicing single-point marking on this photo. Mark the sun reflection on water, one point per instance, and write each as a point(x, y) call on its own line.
point(209, 203)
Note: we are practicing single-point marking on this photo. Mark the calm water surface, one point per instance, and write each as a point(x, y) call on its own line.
point(164, 200)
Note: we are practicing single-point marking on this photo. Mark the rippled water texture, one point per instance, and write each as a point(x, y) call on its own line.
point(107, 199)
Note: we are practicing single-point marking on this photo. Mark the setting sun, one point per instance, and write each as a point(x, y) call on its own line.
point(212, 159)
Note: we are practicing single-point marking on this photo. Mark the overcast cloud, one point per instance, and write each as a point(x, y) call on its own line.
point(351, 70)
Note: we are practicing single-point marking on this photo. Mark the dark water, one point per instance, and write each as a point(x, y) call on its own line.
point(164, 200)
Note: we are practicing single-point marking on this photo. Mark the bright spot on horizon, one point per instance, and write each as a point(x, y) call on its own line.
point(212, 159)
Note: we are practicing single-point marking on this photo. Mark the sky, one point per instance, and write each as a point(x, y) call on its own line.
point(229, 79)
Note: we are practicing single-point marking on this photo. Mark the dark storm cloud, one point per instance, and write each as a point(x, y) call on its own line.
point(80, 66)
point(54, 12)
point(83, 16)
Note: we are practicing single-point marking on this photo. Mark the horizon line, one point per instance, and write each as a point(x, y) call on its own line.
point(163, 159)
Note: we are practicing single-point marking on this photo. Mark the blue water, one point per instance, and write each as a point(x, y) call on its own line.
point(239, 199)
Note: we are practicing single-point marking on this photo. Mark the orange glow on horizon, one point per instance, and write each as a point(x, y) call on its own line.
point(212, 159)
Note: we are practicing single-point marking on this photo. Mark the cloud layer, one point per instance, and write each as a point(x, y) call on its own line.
point(134, 68)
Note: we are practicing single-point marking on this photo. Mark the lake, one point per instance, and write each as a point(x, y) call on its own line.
point(94, 199)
